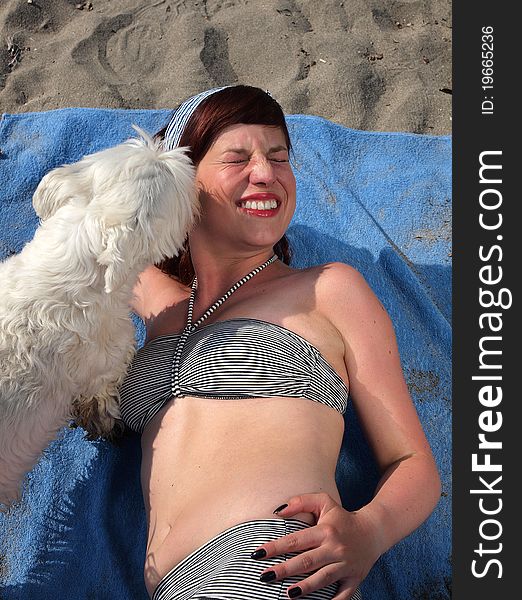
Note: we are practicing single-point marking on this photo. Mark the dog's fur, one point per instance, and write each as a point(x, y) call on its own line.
point(66, 336)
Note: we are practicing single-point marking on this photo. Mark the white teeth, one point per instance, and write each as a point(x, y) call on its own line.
point(259, 205)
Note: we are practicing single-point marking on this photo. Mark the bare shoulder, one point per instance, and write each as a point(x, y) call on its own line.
point(346, 299)
point(332, 286)
point(339, 284)
point(154, 291)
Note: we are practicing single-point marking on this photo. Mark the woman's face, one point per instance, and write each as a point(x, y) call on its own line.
point(247, 188)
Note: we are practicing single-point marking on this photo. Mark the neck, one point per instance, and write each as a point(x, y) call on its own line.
point(217, 272)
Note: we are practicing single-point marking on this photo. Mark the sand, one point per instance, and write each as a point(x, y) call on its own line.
point(373, 65)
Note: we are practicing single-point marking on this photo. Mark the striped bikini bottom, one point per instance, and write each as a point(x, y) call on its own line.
point(222, 569)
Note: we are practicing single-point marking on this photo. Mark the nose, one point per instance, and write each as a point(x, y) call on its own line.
point(262, 171)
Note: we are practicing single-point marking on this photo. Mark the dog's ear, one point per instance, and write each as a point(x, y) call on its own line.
point(119, 244)
point(55, 190)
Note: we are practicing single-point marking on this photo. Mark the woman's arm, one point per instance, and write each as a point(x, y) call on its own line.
point(409, 487)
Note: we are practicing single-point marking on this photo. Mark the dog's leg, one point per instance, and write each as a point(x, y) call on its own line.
point(25, 431)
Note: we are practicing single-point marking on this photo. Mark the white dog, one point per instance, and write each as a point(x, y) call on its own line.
point(66, 336)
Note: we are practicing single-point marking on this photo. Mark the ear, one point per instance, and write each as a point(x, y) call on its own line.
point(55, 190)
point(117, 256)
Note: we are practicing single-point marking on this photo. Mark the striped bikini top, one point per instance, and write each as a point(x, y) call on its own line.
point(231, 359)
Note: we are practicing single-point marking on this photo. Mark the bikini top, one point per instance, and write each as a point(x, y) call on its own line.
point(237, 358)
point(231, 359)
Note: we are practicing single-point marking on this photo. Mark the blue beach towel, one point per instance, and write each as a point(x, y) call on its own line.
point(377, 201)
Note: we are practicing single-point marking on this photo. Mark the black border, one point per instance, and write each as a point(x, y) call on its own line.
point(473, 133)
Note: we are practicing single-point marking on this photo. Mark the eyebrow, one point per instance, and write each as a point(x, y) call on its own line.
point(270, 150)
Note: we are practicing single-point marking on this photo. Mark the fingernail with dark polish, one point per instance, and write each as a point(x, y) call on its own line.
point(258, 553)
point(268, 576)
point(280, 508)
point(294, 592)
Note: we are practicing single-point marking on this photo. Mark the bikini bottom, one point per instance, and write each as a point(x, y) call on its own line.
point(222, 569)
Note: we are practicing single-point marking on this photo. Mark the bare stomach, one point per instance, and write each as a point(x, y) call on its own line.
point(209, 464)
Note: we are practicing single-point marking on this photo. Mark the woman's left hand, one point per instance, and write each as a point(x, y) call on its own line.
point(342, 546)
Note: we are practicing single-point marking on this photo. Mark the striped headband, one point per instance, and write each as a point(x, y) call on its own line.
point(180, 118)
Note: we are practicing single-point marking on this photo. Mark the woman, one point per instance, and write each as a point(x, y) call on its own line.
point(240, 388)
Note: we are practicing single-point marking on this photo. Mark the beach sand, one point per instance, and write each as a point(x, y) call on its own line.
point(373, 65)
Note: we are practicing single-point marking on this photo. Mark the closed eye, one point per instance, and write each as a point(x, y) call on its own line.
point(279, 156)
